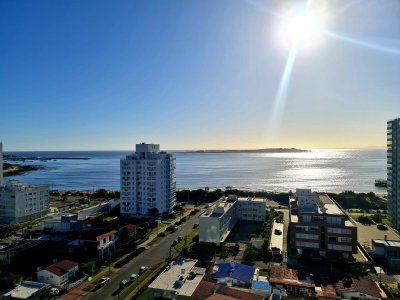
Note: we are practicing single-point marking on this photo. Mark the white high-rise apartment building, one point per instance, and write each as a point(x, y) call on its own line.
point(1, 164)
point(147, 181)
point(393, 171)
point(21, 203)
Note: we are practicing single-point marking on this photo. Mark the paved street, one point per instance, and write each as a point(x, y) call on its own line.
point(158, 252)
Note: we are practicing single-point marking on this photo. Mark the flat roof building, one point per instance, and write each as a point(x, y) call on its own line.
point(216, 222)
point(21, 203)
point(319, 224)
point(178, 281)
point(28, 290)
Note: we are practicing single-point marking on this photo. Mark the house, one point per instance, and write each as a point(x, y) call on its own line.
point(359, 289)
point(211, 291)
point(28, 290)
point(388, 251)
point(233, 274)
point(326, 292)
point(179, 280)
point(106, 242)
point(291, 283)
point(58, 274)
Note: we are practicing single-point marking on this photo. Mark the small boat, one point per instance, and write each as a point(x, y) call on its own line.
point(381, 182)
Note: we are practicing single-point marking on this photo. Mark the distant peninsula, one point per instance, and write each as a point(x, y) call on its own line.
point(265, 150)
point(32, 158)
point(13, 170)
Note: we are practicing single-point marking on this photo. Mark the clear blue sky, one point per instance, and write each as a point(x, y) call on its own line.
point(83, 74)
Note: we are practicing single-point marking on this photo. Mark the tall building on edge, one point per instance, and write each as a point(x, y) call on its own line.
point(393, 171)
point(1, 164)
point(147, 181)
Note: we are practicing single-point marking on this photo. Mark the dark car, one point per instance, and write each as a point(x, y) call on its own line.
point(195, 225)
point(278, 232)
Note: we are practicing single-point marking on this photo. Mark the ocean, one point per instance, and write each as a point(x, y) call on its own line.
point(321, 170)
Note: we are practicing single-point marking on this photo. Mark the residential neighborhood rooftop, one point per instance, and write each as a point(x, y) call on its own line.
point(181, 276)
point(26, 290)
point(61, 267)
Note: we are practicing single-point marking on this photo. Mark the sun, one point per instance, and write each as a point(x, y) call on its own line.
point(303, 29)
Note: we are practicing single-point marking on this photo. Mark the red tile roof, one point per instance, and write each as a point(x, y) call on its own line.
point(227, 291)
point(203, 290)
point(282, 275)
point(107, 234)
point(207, 289)
point(327, 292)
point(61, 267)
point(362, 285)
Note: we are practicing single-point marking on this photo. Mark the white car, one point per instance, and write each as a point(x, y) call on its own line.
point(103, 281)
point(143, 269)
point(133, 277)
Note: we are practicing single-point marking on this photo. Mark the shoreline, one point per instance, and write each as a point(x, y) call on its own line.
point(14, 170)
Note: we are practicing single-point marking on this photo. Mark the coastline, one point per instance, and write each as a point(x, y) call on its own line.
point(13, 169)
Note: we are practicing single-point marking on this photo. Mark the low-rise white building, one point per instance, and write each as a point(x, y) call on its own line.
point(21, 203)
point(58, 274)
point(216, 222)
point(106, 242)
point(64, 223)
point(28, 290)
point(178, 281)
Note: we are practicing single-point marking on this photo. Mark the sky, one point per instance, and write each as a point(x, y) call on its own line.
point(105, 75)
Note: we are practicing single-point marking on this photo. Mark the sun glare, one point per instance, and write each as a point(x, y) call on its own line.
point(302, 30)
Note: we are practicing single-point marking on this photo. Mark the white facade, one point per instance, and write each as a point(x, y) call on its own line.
point(1, 164)
point(57, 275)
point(217, 222)
point(21, 203)
point(393, 172)
point(147, 181)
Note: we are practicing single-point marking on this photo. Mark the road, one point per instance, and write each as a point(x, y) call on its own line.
point(158, 252)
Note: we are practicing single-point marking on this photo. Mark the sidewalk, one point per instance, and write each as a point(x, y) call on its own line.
point(79, 292)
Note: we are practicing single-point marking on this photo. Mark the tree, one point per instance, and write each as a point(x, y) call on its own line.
point(153, 212)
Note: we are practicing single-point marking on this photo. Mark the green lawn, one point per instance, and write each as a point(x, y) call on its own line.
point(188, 238)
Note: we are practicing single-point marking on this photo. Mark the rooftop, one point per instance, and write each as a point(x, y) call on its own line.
point(283, 275)
point(388, 243)
point(362, 285)
point(234, 270)
point(105, 235)
point(61, 267)
point(207, 289)
point(26, 289)
point(180, 277)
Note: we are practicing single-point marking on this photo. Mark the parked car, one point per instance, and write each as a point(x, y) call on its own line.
point(195, 225)
point(180, 238)
point(123, 283)
point(382, 227)
point(172, 228)
point(142, 270)
point(133, 277)
point(54, 291)
point(174, 242)
point(278, 231)
point(103, 281)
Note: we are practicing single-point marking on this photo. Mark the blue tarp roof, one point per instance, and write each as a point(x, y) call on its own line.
point(235, 271)
point(261, 285)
